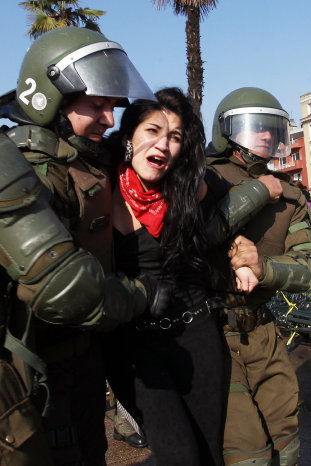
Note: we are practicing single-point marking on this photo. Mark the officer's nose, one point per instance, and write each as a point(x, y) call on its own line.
point(107, 118)
point(266, 135)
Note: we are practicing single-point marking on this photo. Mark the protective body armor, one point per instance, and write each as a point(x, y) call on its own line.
point(228, 210)
point(19, 213)
point(91, 223)
point(48, 262)
point(60, 283)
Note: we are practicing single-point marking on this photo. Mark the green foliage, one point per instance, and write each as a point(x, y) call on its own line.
point(181, 6)
point(45, 15)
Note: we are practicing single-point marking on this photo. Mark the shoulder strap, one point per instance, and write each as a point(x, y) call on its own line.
point(41, 144)
point(35, 138)
point(18, 347)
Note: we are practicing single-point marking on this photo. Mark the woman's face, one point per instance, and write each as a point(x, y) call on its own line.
point(156, 145)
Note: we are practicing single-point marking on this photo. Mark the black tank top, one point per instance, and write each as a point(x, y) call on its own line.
point(139, 252)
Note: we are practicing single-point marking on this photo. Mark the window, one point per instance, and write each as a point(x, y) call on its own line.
point(282, 162)
point(297, 177)
point(309, 108)
point(295, 156)
point(309, 130)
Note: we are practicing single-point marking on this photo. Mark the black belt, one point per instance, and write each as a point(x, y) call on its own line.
point(168, 322)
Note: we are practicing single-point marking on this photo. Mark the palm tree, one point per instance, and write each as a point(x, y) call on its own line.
point(194, 10)
point(46, 15)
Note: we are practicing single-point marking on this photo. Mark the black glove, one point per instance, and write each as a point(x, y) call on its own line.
point(159, 294)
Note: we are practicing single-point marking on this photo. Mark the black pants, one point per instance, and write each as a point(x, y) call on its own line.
point(75, 422)
point(175, 382)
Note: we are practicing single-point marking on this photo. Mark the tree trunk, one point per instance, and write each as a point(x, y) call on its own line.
point(194, 61)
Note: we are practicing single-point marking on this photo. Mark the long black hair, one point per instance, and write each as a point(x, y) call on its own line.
point(183, 231)
point(184, 224)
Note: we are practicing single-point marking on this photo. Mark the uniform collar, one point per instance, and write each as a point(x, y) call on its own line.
point(254, 169)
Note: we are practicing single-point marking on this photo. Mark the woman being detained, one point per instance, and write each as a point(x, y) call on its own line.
point(169, 369)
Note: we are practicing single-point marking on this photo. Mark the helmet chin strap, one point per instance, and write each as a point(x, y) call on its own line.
point(249, 157)
point(84, 145)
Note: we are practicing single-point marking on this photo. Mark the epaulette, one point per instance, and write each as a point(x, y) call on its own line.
point(41, 144)
point(35, 139)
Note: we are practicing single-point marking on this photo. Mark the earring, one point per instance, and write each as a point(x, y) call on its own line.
point(128, 151)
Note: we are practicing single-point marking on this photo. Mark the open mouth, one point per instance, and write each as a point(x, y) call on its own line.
point(157, 161)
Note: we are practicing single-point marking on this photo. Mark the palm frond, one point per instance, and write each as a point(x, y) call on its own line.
point(50, 14)
point(48, 5)
point(37, 4)
point(161, 3)
point(93, 13)
point(182, 6)
point(42, 24)
point(89, 24)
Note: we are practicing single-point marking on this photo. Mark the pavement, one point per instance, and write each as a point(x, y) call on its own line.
point(119, 453)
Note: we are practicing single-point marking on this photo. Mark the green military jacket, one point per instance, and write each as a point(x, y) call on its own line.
point(79, 189)
point(280, 231)
point(79, 185)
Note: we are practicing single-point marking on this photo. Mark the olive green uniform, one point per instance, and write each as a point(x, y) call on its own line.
point(70, 390)
point(82, 199)
point(22, 441)
point(262, 406)
point(67, 291)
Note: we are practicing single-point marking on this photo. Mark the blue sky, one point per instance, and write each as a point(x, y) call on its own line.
point(262, 43)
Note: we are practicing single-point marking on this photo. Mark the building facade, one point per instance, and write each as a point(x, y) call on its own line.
point(295, 163)
point(305, 103)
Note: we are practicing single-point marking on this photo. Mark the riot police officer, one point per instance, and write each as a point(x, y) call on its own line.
point(250, 128)
point(69, 83)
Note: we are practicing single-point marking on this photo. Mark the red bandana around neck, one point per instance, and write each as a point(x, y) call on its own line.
point(148, 206)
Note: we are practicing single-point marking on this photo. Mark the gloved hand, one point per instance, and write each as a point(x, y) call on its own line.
point(159, 294)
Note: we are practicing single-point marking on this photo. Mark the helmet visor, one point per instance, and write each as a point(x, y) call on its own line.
point(109, 73)
point(264, 134)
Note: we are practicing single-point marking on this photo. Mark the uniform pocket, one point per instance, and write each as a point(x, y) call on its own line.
point(19, 419)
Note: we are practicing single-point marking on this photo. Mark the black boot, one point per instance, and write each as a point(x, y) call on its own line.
point(125, 432)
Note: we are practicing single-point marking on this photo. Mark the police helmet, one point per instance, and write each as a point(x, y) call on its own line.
point(72, 60)
point(253, 119)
